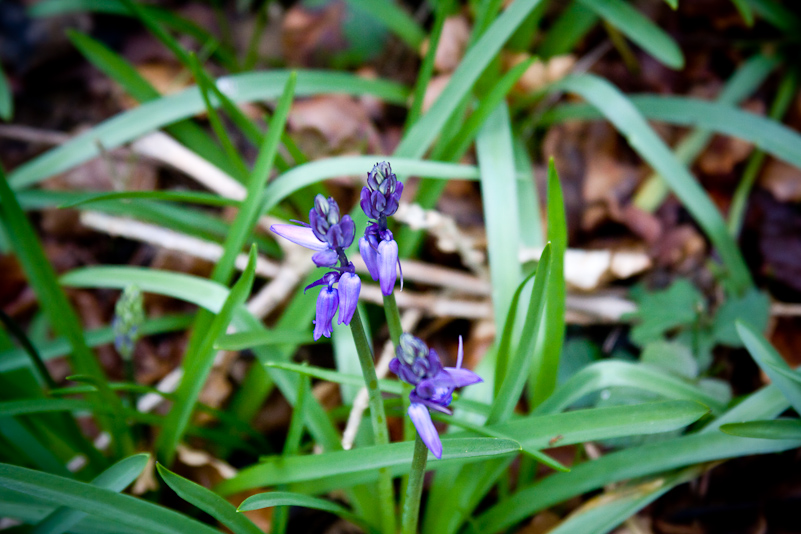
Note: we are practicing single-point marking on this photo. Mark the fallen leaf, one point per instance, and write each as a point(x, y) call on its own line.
point(782, 180)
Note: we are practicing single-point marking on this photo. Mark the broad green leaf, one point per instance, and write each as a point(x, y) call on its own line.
point(672, 357)
point(639, 29)
point(661, 311)
point(363, 460)
point(115, 478)
point(745, 11)
point(209, 502)
point(753, 308)
point(395, 18)
point(775, 429)
point(769, 360)
point(776, 14)
point(285, 498)
point(128, 511)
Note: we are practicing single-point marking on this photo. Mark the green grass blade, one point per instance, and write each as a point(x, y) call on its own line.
point(528, 200)
point(769, 361)
point(551, 331)
point(419, 138)
point(639, 29)
point(106, 504)
point(30, 448)
point(6, 98)
point(776, 14)
point(745, 11)
point(246, 340)
point(619, 110)
point(205, 293)
point(281, 470)
point(195, 197)
point(570, 28)
point(396, 19)
point(498, 189)
point(386, 385)
point(115, 478)
point(43, 281)
point(285, 498)
point(778, 429)
point(197, 365)
point(209, 502)
point(610, 373)
point(248, 87)
point(504, 404)
point(121, 71)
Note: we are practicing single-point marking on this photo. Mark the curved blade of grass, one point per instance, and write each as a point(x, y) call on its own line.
point(209, 502)
point(505, 343)
point(496, 162)
point(395, 19)
point(195, 197)
point(769, 360)
point(109, 505)
point(387, 386)
point(316, 171)
point(767, 134)
point(421, 135)
point(570, 28)
point(205, 293)
point(115, 478)
point(512, 387)
point(745, 11)
point(150, 116)
point(639, 29)
point(776, 14)
point(197, 364)
point(15, 358)
point(285, 498)
point(610, 373)
point(551, 332)
point(626, 118)
point(366, 459)
point(6, 98)
point(777, 429)
point(630, 463)
point(124, 73)
point(246, 340)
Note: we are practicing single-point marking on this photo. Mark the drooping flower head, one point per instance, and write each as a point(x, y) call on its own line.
point(380, 199)
point(329, 234)
point(434, 384)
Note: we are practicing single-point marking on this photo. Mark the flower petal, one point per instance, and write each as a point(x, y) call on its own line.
point(462, 377)
point(300, 235)
point(387, 260)
point(425, 427)
point(460, 354)
point(327, 302)
point(369, 256)
point(349, 287)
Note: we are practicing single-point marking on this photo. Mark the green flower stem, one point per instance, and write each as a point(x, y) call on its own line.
point(411, 508)
point(393, 318)
point(378, 419)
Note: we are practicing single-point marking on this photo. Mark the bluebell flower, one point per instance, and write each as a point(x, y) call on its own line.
point(380, 199)
point(329, 234)
point(434, 384)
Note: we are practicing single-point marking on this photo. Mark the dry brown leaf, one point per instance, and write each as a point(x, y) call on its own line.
point(452, 43)
point(333, 124)
point(540, 73)
point(434, 89)
point(541, 523)
point(310, 34)
point(782, 180)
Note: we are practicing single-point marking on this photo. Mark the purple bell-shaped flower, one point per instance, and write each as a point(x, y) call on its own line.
point(327, 302)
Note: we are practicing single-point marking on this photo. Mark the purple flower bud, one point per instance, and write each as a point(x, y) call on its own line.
point(327, 302)
point(349, 287)
point(326, 258)
point(370, 257)
point(300, 235)
point(387, 261)
point(381, 196)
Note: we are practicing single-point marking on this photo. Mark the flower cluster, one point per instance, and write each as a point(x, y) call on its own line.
point(421, 367)
point(379, 200)
point(329, 234)
point(129, 315)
